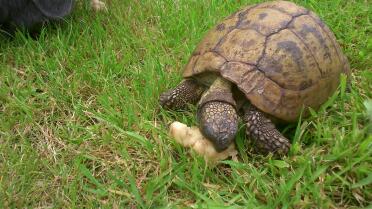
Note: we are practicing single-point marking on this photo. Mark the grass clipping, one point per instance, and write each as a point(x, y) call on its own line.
point(191, 137)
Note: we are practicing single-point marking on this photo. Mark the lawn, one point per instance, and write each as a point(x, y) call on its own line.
point(80, 125)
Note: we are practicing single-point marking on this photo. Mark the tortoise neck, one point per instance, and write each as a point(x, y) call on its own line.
point(221, 84)
point(220, 90)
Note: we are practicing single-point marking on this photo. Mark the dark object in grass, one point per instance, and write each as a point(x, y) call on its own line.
point(31, 14)
point(267, 61)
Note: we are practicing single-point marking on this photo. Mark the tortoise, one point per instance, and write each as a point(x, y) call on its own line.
point(267, 63)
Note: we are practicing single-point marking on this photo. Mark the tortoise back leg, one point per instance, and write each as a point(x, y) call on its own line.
point(262, 131)
point(218, 120)
point(187, 92)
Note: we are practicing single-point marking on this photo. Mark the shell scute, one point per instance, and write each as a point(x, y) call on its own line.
point(288, 62)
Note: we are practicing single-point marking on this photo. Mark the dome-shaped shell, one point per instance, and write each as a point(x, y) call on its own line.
point(280, 55)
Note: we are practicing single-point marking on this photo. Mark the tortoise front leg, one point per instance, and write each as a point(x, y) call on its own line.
point(262, 131)
point(187, 92)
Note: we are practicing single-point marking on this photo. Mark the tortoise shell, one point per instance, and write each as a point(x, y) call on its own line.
point(280, 55)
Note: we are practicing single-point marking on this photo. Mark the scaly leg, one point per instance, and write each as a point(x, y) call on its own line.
point(187, 92)
point(262, 131)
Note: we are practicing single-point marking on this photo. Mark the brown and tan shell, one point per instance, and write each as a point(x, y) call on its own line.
point(280, 55)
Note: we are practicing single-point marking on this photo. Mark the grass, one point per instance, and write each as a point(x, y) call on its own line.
point(79, 125)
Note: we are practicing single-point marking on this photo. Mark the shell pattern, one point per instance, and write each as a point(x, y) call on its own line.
point(280, 55)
